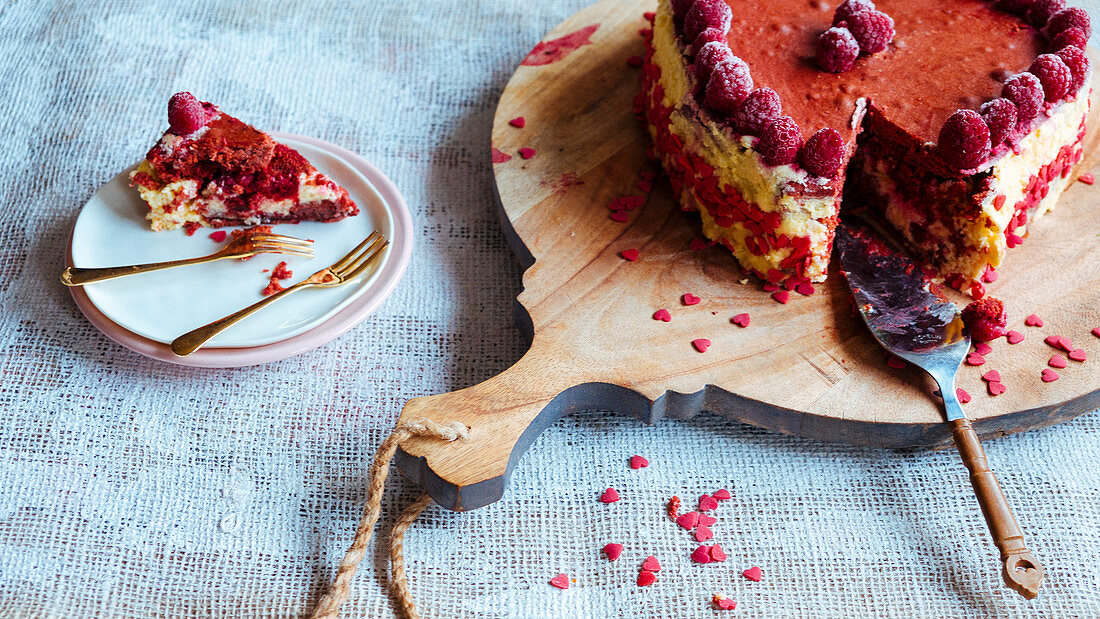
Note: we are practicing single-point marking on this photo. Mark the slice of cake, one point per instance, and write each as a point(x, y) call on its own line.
point(959, 121)
point(210, 169)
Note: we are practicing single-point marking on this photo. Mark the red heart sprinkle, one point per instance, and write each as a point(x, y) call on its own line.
point(689, 299)
point(1014, 337)
point(1033, 321)
point(741, 320)
point(722, 494)
point(805, 289)
point(218, 236)
point(782, 296)
point(992, 376)
point(1078, 354)
point(701, 344)
point(895, 362)
point(651, 564)
point(963, 396)
point(688, 520)
point(1057, 361)
point(1049, 375)
point(1087, 178)
point(646, 578)
point(645, 186)
point(696, 244)
point(717, 554)
point(619, 216)
point(1012, 240)
point(722, 602)
point(701, 554)
point(1065, 344)
point(707, 503)
point(609, 496)
point(638, 462)
point(706, 520)
point(990, 275)
point(662, 315)
point(526, 153)
point(1096, 331)
point(753, 573)
point(703, 533)
point(629, 254)
point(627, 203)
point(518, 121)
point(613, 551)
point(561, 581)
point(634, 61)
point(974, 359)
point(771, 287)
point(982, 348)
point(996, 388)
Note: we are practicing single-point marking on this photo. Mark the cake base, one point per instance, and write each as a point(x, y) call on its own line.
point(808, 368)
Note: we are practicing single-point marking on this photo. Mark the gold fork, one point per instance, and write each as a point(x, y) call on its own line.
point(240, 247)
point(341, 272)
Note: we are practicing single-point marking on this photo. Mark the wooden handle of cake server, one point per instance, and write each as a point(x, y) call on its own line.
point(1021, 572)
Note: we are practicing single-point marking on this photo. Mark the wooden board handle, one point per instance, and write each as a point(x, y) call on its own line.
point(1022, 573)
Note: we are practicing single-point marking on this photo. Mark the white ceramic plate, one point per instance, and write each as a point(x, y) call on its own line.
point(112, 230)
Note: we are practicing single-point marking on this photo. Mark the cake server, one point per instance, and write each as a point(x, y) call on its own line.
point(924, 328)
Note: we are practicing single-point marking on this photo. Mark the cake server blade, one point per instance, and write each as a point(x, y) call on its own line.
point(913, 321)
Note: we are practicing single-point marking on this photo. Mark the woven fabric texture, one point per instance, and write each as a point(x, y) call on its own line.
point(133, 488)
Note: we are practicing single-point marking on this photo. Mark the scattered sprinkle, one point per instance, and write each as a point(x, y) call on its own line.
point(561, 581)
point(707, 503)
point(645, 186)
point(1033, 321)
point(721, 495)
point(646, 578)
point(500, 157)
point(992, 376)
point(1049, 375)
point(673, 509)
point(526, 152)
point(518, 122)
point(1096, 331)
point(218, 236)
point(663, 315)
point(995, 388)
point(1078, 354)
point(630, 255)
point(696, 244)
point(703, 533)
point(753, 573)
point(1014, 337)
point(1058, 341)
point(689, 299)
point(706, 521)
point(982, 348)
point(613, 551)
point(717, 554)
point(701, 344)
point(771, 287)
point(651, 564)
point(722, 602)
point(1087, 178)
point(741, 320)
point(701, 554)
point(805, 289)
point(1013, 240)
point(688, 520)
point(781, 296)
point(619, 216)
point(628, 203)
point(609, 496)
point(975, 359)
point(1057, 361)
point(990, 274)
point(638, 462)
point(963, 396)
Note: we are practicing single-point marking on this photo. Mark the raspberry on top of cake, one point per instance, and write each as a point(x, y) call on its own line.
point(211, 169)
point(959, 121)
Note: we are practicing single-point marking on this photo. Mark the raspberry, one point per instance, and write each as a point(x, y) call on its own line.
point(964, 140)
point(707, 36)
point(1042, 10)
point(1000, 116)
point(710, 56)
point(851, 7)
point(1069, 37)
point(1054, 75)
point(185, 114)
point(1078, 64)
point(837, 50)
point(729, 84)
point(985, 319)
point(1026, 92)
point(706, 14)
point(757, 110)
point(1069, 18)
point(872, 30)
point(823, 153)
point(681, 7)
point(780, 140)
point(1014, 6)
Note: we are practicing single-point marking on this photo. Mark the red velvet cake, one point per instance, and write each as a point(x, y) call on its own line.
point(210, 169)
point(958, 121)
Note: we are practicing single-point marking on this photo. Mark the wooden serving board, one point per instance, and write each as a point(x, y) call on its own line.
point(808, 368)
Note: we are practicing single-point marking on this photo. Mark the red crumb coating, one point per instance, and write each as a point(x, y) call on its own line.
point(985, 319)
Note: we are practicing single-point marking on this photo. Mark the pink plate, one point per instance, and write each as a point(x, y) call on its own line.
point(389, 273)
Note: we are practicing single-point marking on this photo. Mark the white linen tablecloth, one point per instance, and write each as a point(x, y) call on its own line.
point(133, 488)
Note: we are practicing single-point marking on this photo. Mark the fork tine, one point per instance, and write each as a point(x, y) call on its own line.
point(273, 245)
point(287, 251)
point(368, 259)
point(281, 238)
point(343, 262)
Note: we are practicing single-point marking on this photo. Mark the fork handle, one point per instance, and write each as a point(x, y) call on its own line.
point(193, 340)
point(1021, 572)
point(76, 276)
